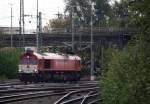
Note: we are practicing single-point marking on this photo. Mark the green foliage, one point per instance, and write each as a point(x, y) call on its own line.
point(102, 8)
point(102, 58)
point(107, 54)
point(81, 8)
point(85, 62)
point(121, 15)
point(9, 58)
point(103, 12)
point(127, 79)
point(101, 55)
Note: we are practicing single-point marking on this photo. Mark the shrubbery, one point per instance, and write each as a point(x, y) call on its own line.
point(127, 79)
point(85, 62)
point(9, 58)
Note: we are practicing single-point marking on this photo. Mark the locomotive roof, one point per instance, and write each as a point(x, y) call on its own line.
point(39, 56)
point(59, 56)
point(54, 56)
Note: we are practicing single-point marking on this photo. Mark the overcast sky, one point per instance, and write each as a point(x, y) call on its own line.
point(48, 7)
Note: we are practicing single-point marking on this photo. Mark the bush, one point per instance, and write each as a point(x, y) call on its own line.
point(85, 62)
point(9, 58)
point(127, 78)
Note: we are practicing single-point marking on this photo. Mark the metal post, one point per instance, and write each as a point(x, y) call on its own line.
point(99, 25)
point(72, 28)
point(40, 30)
point(21, 22)
point(37, 28)
point(23, 31)
point(11, 32)
point(101, 56)
point(40, 22)
point(92, 52)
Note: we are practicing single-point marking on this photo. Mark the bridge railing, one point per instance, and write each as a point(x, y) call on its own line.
point(88, 30)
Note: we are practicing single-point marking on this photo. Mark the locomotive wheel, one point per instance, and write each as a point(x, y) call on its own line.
point(40, 77)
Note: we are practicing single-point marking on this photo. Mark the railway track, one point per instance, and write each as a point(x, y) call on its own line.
point(26, 96)
point(79, 97)
point(20, 85)
point(60, 93)
point(9, 82)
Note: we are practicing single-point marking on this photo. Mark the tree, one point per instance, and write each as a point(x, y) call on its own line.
point(60, 23)
point(80, 10)
point(121, 16)
point(128, 77)
point(103, 11)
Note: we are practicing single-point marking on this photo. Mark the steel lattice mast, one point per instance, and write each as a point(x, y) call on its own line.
point(21, 22)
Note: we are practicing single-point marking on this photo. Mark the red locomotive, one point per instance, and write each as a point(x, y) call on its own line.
point(36, 67)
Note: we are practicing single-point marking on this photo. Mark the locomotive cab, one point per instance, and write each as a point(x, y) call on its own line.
point(28, 66)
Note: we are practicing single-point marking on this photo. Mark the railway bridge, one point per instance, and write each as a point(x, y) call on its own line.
point(105, 37)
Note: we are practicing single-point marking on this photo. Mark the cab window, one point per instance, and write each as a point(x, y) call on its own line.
point(33, 61)
point(28, 61)
point(23, 61)
point(47, 64)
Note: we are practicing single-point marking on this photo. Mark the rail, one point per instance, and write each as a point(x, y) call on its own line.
point(65, 91)
point(72, 92)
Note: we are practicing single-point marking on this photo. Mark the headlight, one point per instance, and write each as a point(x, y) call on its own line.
point(35, 70)
point(20, 70)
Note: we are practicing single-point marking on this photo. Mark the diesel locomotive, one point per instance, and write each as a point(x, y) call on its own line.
point(39, 67)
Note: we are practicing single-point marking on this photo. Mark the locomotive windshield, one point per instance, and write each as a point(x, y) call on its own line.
point(28, 61)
